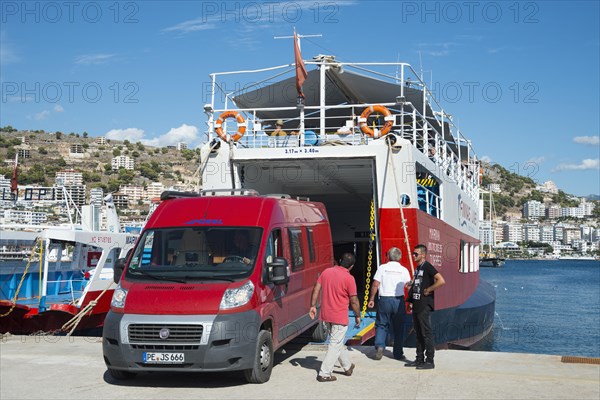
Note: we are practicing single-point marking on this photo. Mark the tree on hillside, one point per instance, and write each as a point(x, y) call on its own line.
point(34, 175)
point(563, 200)
point(188, 154)
point(58, 135)
point(85, 135)
point(8, 129)
point(113, 186)
point(126, 176)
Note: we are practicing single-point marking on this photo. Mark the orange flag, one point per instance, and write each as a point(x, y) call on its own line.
point(301, 73)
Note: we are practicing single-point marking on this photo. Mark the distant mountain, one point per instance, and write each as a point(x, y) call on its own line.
point(592, 197)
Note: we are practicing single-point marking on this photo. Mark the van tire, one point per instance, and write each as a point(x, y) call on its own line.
point(121, 375)
point(319, 334)
point(263, 359)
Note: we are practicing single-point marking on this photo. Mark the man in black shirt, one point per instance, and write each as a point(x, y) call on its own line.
point(426, 279)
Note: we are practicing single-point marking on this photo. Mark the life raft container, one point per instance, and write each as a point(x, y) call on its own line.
point(387, 115)
point(241, 125)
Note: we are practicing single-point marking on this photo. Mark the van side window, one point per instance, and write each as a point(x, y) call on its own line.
point(311, 245)
point(296, 248)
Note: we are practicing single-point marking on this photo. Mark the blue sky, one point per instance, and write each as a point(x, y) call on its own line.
point(522, 78)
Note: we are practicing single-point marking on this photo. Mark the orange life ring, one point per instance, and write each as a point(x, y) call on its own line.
point(389, 120)
point(241, 125)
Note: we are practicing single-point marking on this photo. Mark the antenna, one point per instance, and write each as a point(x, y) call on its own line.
point(299, 36)
point(421, 64)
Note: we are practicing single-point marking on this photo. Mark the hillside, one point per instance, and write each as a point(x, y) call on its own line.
point(515, 190)
point(50, 152)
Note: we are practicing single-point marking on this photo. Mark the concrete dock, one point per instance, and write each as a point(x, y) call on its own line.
point(48, 367)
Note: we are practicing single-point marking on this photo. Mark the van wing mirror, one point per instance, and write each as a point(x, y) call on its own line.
point(120, 266)
point(278, 271)
point(118, 269)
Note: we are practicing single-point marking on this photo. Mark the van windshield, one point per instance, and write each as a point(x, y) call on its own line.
point(195, 253)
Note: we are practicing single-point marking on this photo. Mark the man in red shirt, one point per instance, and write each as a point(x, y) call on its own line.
point(339, 289)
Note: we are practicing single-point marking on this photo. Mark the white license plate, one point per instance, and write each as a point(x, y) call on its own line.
point(163, 358)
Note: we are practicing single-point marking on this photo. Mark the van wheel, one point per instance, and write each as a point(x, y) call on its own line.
point(263, 359)
point(320, 332)
point(121, 375)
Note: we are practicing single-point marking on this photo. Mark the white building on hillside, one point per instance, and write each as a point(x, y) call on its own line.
point(69, 177)
point(122, 162)
point(548, 187)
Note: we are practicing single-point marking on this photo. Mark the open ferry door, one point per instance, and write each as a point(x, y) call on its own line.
point(367, 255)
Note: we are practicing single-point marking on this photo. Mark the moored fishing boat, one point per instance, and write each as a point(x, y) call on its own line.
point(49, 294)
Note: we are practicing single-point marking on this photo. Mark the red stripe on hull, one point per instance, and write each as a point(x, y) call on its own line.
point(443, 243)
point(26, 320)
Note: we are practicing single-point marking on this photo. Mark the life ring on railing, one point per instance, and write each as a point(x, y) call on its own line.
point(387, 115)
point(241, 125)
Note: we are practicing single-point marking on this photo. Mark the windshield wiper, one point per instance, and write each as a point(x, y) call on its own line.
point(157, 277)
point(208, 278)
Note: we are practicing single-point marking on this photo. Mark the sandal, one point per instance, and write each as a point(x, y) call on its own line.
point(326, 378)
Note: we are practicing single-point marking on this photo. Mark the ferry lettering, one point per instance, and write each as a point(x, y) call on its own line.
point(434, 234)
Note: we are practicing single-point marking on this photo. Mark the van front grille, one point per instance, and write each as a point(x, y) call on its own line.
point(144, 333)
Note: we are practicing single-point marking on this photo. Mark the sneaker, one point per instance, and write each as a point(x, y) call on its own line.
point(427, 365)
point(415, 363)
point(378, 354)
point(401, 358)
point(349, 371)
point(326, 378)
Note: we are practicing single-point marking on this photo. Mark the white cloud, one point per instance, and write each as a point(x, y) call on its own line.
point(594, 140)
point(193, 25)
point(437, 49)
point(587, 164)
point(89, 59)
point(185, 133)
point(42, 115)
point(132, 134)
point(256, 15)
point(58, 108)
point(486, 159)
point(7, 52)
point(536, 160)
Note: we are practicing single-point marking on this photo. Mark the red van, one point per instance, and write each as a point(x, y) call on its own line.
point(216, 282)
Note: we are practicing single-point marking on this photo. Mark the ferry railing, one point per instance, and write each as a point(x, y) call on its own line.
point(421, 130)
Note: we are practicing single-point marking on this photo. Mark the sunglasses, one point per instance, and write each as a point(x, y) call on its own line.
point(416, 254)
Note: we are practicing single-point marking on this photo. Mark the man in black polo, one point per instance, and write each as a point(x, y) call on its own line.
point(421, 296)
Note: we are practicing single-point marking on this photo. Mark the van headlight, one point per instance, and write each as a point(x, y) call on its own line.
point(237, 297)
point(119, 296)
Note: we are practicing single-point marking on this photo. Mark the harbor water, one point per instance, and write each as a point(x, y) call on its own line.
point(546, 307)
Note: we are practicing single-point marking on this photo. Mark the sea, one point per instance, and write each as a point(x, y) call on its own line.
point(546, 307)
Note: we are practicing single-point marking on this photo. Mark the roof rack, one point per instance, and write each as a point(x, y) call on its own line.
point(172, 194)
point(229, 192)
point(287, 196)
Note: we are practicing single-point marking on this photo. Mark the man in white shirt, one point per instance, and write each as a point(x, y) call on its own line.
point(389, 280)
